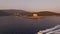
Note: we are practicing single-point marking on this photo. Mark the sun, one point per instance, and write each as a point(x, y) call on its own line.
point(35, 15)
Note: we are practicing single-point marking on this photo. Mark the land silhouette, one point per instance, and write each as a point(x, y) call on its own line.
point(26, 13)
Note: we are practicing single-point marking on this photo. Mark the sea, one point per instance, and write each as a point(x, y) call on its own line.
point(23, 25)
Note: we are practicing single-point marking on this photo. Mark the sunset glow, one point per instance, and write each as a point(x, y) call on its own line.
point(31, 5)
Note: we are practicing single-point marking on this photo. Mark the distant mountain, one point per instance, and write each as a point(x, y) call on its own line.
point(14, 11)
point(26, 13)
point(47, 13)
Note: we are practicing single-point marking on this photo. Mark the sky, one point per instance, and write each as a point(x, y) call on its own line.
point(31, 5)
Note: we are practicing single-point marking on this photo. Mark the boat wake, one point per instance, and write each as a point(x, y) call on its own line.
point(54, 30)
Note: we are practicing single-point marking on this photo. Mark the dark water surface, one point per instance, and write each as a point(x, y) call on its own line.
point(20, 25)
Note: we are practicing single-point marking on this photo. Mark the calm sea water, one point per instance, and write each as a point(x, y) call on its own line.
point(21, 25)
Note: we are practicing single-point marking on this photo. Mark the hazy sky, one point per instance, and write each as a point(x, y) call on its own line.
point(31, 5)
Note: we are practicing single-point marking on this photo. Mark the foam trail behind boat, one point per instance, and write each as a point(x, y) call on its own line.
point(51, 29)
